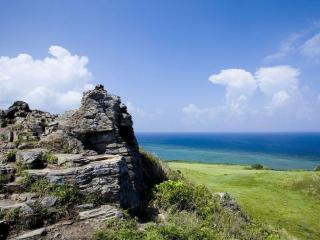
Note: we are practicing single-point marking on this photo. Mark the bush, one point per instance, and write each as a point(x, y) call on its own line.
point(49, 158)
point(18, 220)
point(257, 166)
point(174, 194)
point(11, 156)
point(20, 168)
point(317, 168)
point(117, 229)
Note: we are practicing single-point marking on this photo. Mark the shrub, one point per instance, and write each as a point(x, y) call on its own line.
point(11, 156)
point(19, 220)
point(257, 166)
point(174, 194)
point(317, 168)
point(49, 158)
point(117, 229)
point(182, 225)
point(20, 168)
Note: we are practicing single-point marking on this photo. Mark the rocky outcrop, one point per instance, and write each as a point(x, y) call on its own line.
point(92, 148)
point(229, 203)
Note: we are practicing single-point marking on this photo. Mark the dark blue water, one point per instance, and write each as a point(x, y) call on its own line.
point(275, 150)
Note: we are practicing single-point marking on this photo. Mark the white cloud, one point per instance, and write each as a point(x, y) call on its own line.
point(311, 48)
point(240, 85)
point(280, 98)
point(286, 47)
point(279, 85)
point(54, 83)
point(272, 80)
point(305, 42)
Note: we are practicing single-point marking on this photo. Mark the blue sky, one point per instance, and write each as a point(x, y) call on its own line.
point(179, 65)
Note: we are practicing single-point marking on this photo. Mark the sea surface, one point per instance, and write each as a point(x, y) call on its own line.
point(274, 150)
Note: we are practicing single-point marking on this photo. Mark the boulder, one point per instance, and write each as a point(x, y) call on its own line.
point(230, 203)
point(18, 109)
point(8, 205)
point(32, 158)
point(48, 201)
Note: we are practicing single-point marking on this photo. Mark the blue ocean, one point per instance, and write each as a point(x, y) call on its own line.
point(274, 150)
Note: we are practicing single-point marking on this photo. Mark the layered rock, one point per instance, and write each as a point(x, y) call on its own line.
point(92, 148)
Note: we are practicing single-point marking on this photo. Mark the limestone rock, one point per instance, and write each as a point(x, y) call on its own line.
point(103, 212)
point(97, 152)
point(32, 158)
point(8, 205)
point(23, 197)
point(105, 175)
point(229, 203)
point(18, 109)
point(32, 235)
point(48, 201)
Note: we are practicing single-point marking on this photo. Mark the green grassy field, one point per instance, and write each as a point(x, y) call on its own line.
point(285, 199)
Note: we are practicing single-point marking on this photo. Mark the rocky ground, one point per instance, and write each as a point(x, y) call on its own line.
point(63, 175)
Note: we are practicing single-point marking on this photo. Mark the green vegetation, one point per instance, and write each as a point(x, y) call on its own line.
point(49, 158)
point(187, 212)
point(19, 220)
point(257, 166)
point(288, 199)
point(66, 194)
point(317, 168)
point(11, 155)
point(24, 137)
point(20, 168)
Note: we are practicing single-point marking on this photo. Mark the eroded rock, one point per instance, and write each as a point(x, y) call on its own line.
point(32, 158)
point(32, 235)
point(103, 212)
point(92, 148)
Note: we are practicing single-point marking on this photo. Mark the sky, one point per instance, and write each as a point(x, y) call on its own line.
point(179, 65)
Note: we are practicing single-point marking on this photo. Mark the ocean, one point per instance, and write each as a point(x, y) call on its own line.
point(274, 150)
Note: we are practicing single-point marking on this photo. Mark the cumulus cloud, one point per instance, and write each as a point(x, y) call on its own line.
point(238, 82)
point(272, 80)
point(240, 86)
point(280, 99)
point(54, 83)
point(278, 84)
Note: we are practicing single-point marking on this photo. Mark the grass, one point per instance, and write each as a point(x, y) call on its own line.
point(286, 199)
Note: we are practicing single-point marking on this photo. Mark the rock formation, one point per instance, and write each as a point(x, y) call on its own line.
point(92, 148)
